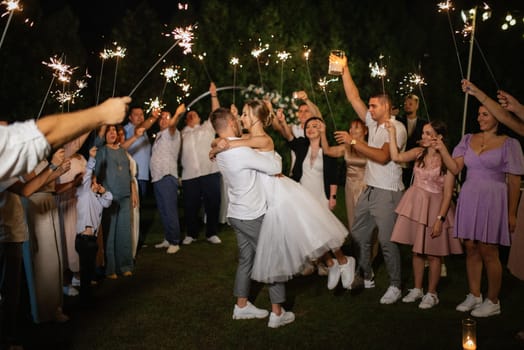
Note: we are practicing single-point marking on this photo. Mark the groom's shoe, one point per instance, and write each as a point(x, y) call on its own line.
point(248, 312)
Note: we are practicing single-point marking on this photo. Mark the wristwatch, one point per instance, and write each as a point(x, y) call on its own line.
point(52, 166)
point(441, 218)
point(353, 142)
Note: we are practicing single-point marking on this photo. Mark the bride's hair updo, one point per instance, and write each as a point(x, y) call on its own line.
point(260, 111)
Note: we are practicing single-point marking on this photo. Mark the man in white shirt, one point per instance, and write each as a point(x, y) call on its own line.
point(376, 205)
point(200, 176)
point(240, 168)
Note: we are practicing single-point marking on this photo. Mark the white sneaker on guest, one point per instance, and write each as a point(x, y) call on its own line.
point(163, 244)
point(283, 319)
point(214, 239)
point(347, 272)
point(248, 312)
point(413, 295)
point(428, 301)
point(333, 275)
point(70, 291)
point(391, 296)
point(471, 302)
point(75, 282)
point(486, 309)
point(172, 249)
point(188, 240)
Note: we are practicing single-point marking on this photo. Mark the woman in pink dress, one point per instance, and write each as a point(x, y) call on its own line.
point(425, 212)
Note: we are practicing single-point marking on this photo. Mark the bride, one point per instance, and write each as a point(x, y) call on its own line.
point(297, 227)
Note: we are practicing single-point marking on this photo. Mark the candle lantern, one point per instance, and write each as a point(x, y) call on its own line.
point(469, 334)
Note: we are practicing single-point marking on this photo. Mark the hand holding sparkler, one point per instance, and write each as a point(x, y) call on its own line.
point(510, 103)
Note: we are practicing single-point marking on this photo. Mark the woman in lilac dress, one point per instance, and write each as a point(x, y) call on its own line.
point(487, 207)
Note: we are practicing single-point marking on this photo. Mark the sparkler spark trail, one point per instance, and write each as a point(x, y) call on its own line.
point(323, 83)
point(446, 7)
point(119, 53)
point(234, 62)
point(171, 75)
point(183, 37)
point(283, 56)
point(201, 59)
point(256, 53)
point(307, 52)
point(154, 104)
point(11, 7)
point(379, 71)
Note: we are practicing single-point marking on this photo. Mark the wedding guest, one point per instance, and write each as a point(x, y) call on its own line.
point(24, 145)
point(383, 177)
point(425, 212)
point(486, 207)
point(164, 176)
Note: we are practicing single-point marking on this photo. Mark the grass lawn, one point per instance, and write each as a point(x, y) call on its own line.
point(184, 301)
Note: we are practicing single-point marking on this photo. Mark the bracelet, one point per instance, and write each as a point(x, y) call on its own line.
point(441, 218)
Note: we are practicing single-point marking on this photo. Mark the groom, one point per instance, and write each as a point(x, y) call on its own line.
point(247, 206)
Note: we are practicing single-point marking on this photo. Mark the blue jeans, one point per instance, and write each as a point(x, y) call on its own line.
point(166, 190)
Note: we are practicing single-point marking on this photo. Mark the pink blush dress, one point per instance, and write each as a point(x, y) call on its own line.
point(417, 212)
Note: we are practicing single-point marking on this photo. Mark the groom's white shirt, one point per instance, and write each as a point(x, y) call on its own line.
point(240, 169)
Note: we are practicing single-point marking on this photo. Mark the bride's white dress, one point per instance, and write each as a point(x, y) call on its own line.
point(296, 228)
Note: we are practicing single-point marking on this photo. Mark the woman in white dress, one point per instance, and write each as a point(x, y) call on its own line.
point(290, 236)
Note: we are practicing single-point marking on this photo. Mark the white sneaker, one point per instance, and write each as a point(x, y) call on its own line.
point(164, 244)
point(172, 249)
point(188, 240)
point(413, 295)
point(471, 302)
point(281, 320)
point(443, 270)
point(75, 282)
point(248, 312)
point(214, 239)
point(391, 296)
point(347, 272)
point(370, 283)
point(333, 275)
point(70, 291)
point(486, 309)
point(428, 301)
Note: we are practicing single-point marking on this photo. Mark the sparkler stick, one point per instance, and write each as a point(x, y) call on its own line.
point(446, 7)
point(11, 6)
point(487, 64)
point(306, 56)
point(283, 56)
point(201, 59)
point(323, 83)
point(183, 38)
point(234, 61)
point(473, 12)
point(119, 53)
point(45, 98)
point(419, 81)
point(103, 55)
point(256, 53)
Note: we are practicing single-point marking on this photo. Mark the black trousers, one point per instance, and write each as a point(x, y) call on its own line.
point(86, 247)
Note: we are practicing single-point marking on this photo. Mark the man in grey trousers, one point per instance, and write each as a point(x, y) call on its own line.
point(240, 169)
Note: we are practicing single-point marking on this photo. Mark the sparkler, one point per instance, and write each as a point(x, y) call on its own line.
point(283, 56)
point(418, 80)
point(307, 52)
point(379, 71)
point(256, 53)
point(154, 104)
point(201, 59)
point(171, 75)
point(234, 62)
point(11, 7)
point(183, 37)
point(473, 13)
point(61, 71)
point(104, 55)
point(446, 7)
point(323, 83)
point(119, 53)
